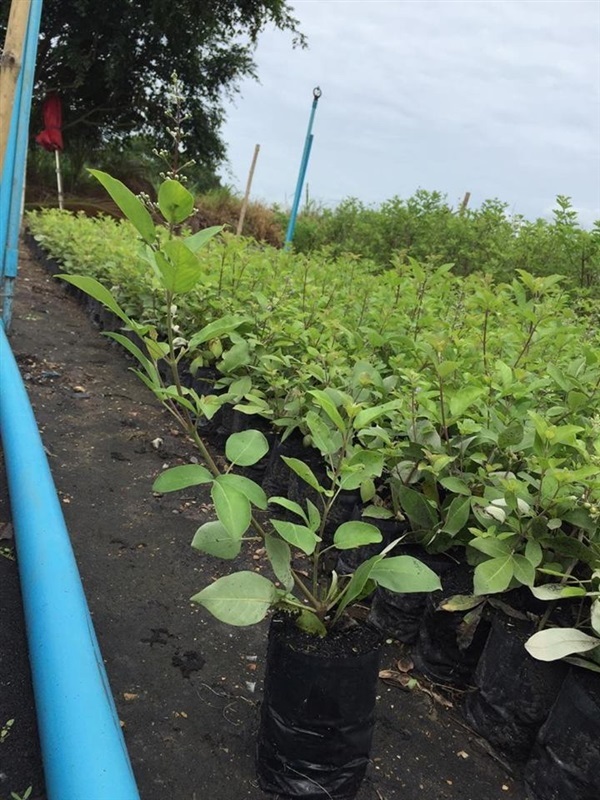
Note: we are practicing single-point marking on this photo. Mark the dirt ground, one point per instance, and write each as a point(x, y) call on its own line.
point(187, 687)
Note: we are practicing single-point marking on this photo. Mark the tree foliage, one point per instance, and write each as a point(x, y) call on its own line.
point(112, 63)
point(426, 227)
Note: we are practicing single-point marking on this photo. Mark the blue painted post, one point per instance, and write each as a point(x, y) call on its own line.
point(302, 172)
point(13, 173)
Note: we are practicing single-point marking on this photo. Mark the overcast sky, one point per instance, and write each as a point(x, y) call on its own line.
point(497, 97)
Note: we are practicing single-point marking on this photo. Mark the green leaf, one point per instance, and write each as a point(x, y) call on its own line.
point(577, 400)
point(364, 464)
point(556, 591)
point(569, 546)
point(505, 373)
point(377, 512)
point(243, 598)
point(325, 402)
point(181, 269)
point(356, 534)
point(417, 509)
point(533, 552)
point(369, 415)
point(174, 201)
point(246, 448)
point(592, 662)
point(95, 289)
point(241, 386)
point(133, 208)
point(493, 576)
point(357, 584)
point(457, 515)
point(295, 508)
point(166, 272)
point(135, 351)
point(511, 436)
point(447, 368)
point(368, 490)
point(308, 622)
point(280, 556)
point(247, 487)
point(297, 535)
point(321, 435)
point(496, 548)
point(198, 240)
point(208, 405)
point(304, 472)
point(555, 643)
point(580, 518)
point(405, 574)
point(215, 330)
point(455, 485)
point(236, 357)
point(232, 507)
point(176, 478)
point(214, 538)
point(157, 350)
point(524, 570)
point(461, 400)
point(314, 516)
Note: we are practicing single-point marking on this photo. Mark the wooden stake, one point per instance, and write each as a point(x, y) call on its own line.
point(240, 224)
point(465, 203)
point(10, 66)
point(59, 185)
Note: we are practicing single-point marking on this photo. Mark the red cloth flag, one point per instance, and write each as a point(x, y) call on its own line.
point(51, 137)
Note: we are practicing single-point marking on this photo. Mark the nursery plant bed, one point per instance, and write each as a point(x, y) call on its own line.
point(187, 687)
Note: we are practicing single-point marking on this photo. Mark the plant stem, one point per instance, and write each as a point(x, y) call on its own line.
point(306, 591)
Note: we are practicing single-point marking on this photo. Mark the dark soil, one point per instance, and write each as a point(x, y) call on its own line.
point(187, 687)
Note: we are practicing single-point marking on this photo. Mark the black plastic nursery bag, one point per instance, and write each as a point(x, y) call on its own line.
point(318, 712)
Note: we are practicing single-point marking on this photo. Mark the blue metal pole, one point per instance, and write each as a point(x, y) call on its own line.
point(82, 744)
point(302, 172)
point(13, 173)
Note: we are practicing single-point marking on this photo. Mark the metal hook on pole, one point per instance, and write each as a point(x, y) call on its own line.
point(303, 165)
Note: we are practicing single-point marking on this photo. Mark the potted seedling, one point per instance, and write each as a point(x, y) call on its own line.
point(322, 663)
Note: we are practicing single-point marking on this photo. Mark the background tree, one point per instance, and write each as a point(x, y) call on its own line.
point(112, 62)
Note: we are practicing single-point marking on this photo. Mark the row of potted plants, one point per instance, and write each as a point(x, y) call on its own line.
point(496, 460)
point(497, 455)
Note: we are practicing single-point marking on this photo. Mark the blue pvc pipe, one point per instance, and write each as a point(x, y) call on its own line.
point(83, 749)
point(289, 235)
point(13, 178)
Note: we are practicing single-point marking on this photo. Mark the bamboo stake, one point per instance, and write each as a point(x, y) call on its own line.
point(10, 66)
point(240, 224)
